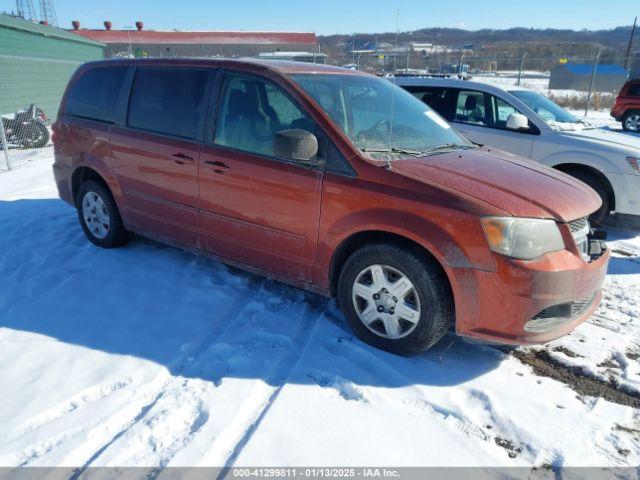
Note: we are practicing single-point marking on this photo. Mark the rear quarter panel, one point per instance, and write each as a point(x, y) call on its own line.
point(85, 143)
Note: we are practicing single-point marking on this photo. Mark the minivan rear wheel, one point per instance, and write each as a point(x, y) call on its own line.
point(395, 299)
point(99, 215)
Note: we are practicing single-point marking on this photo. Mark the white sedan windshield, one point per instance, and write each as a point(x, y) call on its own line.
point(380, 118)
point(548, 110)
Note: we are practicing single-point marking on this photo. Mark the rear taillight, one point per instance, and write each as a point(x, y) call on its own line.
point(635, 163)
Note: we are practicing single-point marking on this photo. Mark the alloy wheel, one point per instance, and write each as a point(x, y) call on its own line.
point(632, 123)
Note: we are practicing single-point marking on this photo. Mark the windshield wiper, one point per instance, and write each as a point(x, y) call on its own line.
point(445, 146)
point(403, 151)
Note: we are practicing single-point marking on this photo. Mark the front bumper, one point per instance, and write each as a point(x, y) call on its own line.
point(627, 191)
point(496, 306)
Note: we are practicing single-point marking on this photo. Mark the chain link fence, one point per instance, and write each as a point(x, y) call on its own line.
point(30, 94)
point(576, 82)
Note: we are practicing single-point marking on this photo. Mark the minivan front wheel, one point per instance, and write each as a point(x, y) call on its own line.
point(99, 215)
point(395, 299)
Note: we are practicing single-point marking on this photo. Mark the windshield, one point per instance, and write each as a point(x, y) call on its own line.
point(549, 111)
point(380, 118)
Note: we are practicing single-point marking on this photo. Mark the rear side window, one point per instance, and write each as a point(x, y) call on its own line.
point(634, 90)
point(440, 99)
point(95, 94)
point(168, 100)
point(470, 108)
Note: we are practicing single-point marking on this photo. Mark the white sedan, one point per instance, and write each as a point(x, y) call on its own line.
point(528, 124)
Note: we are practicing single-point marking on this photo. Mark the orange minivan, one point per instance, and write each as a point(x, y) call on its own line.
point(335, 181)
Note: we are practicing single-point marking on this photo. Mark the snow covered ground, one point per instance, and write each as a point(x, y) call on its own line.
point(151, 356)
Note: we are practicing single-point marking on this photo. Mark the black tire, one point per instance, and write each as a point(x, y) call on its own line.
point(625, 121)
point(595, 183)
point(37, 136)
point(436, 315)
point(116, 234)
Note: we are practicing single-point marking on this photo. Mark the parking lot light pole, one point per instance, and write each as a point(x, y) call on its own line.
point(5, 145)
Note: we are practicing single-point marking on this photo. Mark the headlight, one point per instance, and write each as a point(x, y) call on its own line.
point(523, 238)
point(635, 163)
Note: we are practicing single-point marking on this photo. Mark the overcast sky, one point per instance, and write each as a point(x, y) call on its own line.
point(344, 16)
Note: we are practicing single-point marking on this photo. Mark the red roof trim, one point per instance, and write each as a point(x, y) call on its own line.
point(233, 38)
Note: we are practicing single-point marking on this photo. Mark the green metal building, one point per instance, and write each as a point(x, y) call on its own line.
point(36, 62)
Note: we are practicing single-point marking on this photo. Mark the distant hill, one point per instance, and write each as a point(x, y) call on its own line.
point(540, 43)
point(613, 38)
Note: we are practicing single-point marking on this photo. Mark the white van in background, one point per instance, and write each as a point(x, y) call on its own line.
point(528, 124)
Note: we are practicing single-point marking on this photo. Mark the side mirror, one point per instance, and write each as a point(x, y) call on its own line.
point(295, 144)
point(517, 121)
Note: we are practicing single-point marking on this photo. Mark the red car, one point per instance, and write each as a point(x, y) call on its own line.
point(626, 108)
point(335, 181)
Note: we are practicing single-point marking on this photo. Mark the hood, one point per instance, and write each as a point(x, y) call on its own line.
point(518, 186)
point(606, 138)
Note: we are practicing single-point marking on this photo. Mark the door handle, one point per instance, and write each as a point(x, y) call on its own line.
point(218, 166)
point(182, 158)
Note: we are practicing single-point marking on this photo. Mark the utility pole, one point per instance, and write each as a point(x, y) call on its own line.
point(524, 55)
point(633, 31)
point(593, 77)
point(25, 9)
point(353, 48)
point(395, 46)
point(48, 12)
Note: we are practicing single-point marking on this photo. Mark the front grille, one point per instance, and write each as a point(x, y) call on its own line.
point(556, 315)
point(579, 225)
point(580, 231)
point(578, 308)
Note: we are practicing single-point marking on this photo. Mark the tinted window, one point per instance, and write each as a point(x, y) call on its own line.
point(470, 108)
point(168, 100)
point(634, 90)
point(427, 95)
point(95, 94)
point(252, 111)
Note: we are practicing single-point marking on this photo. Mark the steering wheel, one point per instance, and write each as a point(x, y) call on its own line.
point(376, 131)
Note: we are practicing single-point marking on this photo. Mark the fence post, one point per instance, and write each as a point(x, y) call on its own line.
point(460, 65)
point(593, 77)
point(5, 144)
point(524, 55)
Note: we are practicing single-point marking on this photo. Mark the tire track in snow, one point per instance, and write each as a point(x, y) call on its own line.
point(228, 445)
point(103, 427)
point(89, 395)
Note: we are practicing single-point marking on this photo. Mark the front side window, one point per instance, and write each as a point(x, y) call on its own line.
point(95, 94)
point(471, 108)
point(380, 118)
point(500, 112)
point(168, 100)
point(252, 111)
